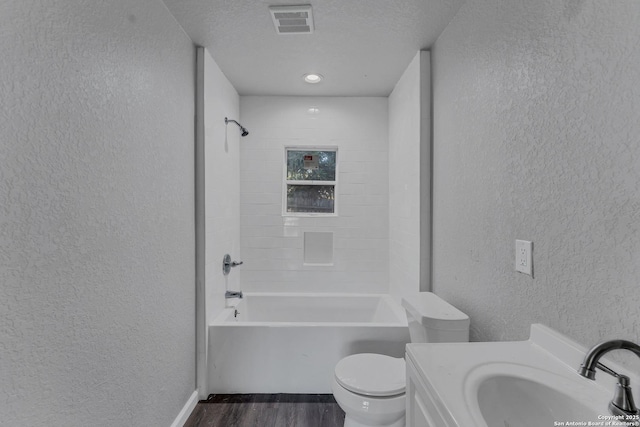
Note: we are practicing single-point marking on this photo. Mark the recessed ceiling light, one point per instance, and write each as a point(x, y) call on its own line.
point(312, 78)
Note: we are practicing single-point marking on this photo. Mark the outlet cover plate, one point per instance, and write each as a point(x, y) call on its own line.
point(524, 257)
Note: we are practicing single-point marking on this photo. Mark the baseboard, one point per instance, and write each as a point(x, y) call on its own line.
point(183, 416)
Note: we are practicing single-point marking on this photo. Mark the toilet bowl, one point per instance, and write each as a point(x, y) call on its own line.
point(370, 388)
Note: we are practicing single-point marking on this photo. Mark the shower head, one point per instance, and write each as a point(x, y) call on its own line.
point(244, 131)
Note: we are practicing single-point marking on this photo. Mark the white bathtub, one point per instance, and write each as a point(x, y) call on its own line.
point(290, 343)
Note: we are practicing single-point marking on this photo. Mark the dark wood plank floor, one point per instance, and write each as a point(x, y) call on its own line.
point(267, 410)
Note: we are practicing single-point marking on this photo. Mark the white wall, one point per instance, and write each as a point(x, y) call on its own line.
point(96, 214)
point(222, 185)
point(218, 199)
point(272, 245)
point(536, 137)
point(409, 179)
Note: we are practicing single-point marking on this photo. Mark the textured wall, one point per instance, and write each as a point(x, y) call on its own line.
point(537, 124)
point(96, 214)
point(272, 245)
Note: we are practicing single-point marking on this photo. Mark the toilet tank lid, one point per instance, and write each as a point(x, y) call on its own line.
point(434, 312)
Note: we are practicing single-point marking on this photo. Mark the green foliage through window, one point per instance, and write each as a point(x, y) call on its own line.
point(326, 166)
point(310, 198)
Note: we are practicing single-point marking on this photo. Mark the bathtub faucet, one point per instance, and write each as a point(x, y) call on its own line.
point(227, 264)
point(233, 294)
point(622, 403)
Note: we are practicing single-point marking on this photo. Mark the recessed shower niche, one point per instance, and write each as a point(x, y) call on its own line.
point(318, 248)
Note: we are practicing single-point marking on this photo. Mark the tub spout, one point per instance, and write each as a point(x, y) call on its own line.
point(233, 294)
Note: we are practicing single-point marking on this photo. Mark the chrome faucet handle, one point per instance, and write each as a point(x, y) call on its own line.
point(227, 264)
point(608, 370)
point(622, 402)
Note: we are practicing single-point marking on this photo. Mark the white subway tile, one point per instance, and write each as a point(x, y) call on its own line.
point(358, 126)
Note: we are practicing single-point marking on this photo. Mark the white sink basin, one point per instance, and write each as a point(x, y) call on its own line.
point(529, 383)
point(517, 396)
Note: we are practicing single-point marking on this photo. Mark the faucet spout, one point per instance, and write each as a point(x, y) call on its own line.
point(588, 367)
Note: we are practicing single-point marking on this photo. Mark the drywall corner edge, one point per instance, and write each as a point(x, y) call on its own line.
point(426, 171)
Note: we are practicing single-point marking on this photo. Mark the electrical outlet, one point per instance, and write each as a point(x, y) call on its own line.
point(524, 257)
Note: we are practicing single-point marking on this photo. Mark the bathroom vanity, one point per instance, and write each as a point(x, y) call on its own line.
point(512, 384)
point(421, 408)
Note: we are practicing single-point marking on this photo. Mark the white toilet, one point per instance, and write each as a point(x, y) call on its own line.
point(370, 388)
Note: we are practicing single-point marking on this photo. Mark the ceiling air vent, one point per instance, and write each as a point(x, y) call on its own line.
point(292, 19)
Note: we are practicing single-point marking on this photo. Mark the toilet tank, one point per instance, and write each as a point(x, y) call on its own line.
point(432, 319)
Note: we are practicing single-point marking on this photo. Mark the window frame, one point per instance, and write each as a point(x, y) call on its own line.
point(286, 182)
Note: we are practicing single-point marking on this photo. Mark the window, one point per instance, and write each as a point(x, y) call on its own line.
point(310, 181)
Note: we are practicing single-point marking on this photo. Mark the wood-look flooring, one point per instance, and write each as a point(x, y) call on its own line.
point(267, 410)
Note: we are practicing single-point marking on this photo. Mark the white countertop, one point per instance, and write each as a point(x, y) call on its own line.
point(447, 368)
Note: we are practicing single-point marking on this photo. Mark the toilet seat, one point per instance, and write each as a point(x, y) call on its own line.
point(372, 374)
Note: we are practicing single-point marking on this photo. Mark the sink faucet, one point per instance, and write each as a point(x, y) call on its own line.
point(622, 403)
point(233, 294)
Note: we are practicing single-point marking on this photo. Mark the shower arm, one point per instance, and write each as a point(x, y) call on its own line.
point(245, 132)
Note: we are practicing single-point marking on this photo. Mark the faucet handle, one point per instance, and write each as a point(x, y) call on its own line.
point(227, 264)
point(622, 403)
point(608, 370)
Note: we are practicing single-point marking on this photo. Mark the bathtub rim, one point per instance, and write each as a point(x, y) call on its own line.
point(222, 319)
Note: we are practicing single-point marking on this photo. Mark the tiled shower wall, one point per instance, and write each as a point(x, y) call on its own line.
point(272, 245)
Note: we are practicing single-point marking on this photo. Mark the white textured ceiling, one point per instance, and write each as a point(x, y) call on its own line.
point(361, 47)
